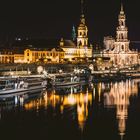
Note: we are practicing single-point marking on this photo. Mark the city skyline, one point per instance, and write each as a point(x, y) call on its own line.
point(55, 19)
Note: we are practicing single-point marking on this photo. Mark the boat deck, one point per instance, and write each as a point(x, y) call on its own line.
point(22, 91)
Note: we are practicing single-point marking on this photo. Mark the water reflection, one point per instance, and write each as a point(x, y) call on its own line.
point(78, 103)
point(118, 97)
point(81, 101)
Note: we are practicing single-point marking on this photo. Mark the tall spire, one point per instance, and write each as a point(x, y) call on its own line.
point(82, 34)
point(122, 11)
point(121, 7)
point(73, 33)
point(82, 13)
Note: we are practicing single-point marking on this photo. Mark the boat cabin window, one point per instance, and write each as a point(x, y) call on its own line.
point(3, 83)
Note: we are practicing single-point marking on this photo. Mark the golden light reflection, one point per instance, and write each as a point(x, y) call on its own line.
point(118, 97)
point(99, 91)
point(79, 100)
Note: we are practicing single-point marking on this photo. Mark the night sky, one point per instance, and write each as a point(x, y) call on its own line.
point(55, 18)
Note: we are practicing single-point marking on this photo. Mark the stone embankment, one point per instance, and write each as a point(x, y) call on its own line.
point(25, 68)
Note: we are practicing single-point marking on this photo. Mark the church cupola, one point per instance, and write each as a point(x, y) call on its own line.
point(82, 35)
point(83, 21)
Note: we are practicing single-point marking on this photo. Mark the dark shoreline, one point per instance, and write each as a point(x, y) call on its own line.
point(114, 78)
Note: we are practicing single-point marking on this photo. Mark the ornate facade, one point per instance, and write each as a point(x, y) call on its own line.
point(6, 58)
point(84, 50)
point(81, 50)
point(118, 49)
point(52, 51)
point(82, 38)
point(53, 55)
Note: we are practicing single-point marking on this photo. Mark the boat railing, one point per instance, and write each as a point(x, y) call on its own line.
point(6, 84)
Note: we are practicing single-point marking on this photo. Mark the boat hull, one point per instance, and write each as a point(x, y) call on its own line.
point(18, 92)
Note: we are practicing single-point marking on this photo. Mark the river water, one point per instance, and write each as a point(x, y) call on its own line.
point(109, 111)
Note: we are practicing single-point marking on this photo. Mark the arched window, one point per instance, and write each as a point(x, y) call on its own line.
point(80, 43)
point(122, 36)
point(122, 23)
point(119, 36)
point(122, 47)
point(85, 42)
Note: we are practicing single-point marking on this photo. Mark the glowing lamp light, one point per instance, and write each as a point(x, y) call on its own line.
point(75, 70)
point(29, 72)
point(60, 71)
point(11, 73)
point(39, 69)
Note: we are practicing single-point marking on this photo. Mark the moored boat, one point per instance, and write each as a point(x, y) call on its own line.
point(19, 86)
point(68, 79)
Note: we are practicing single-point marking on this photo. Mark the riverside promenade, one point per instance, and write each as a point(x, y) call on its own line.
point(50, 68)
point(23, 69)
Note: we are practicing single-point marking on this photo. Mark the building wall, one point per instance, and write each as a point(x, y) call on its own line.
point(76, 52)
point(123, 59)
point(109, 42)
point(53, 56)
point(121, 56)
point(6, 58)
point(19, 58)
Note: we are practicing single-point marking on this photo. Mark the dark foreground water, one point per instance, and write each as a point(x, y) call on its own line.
point(101, 111)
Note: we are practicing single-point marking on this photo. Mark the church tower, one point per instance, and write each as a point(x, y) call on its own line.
point(120, 54)
point(122, 42)
point(82, 38)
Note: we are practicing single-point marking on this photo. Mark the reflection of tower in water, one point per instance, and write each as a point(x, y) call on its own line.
point(82, 108)
point(119, 96)
point(80, 100)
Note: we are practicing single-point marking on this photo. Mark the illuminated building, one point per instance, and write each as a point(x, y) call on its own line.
point(82, 39)
point(52, 51)
point(19, 58)
point(49, 55)
point(109, 42)
point(118, 49)
point(82, 49)
point(102, 63)
point(10, 57)
point(6, 57)
point(69, 48)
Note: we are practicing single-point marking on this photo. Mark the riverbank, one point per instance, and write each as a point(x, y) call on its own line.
point(98, 76)
point(114, 77)
point(50, 68)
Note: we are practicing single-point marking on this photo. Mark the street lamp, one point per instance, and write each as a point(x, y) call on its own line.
point(60, 71)
point(11, 73)
point(29, 72)
point(39, 69)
